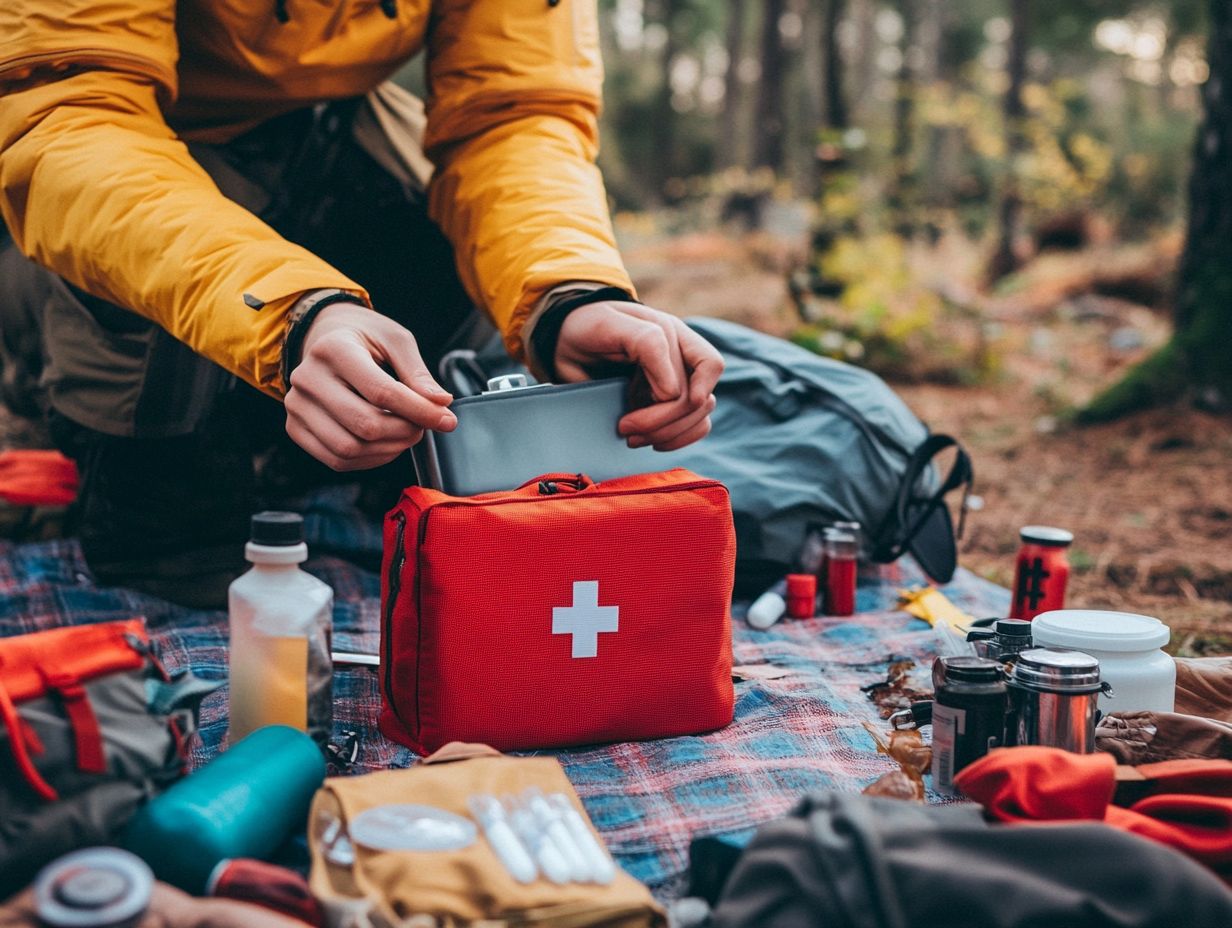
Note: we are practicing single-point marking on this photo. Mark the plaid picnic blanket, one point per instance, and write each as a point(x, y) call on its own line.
point(797, 729)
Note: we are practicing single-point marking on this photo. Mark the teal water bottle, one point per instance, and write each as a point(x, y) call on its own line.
point(244, 803)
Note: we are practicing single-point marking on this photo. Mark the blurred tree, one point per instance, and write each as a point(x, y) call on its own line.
point(900, 195)
point(1009, 212)
point(1198, 359)
point(836, 103)
point(663, 125)
point(731, 148)
point(770, 117)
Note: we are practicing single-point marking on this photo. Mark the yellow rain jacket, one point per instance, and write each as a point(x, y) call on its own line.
point(96, 183)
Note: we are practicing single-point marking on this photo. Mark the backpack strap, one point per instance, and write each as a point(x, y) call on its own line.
point(87, 736)
point(17, 744)
point(910, 512)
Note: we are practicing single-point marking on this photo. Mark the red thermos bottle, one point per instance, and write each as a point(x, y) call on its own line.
point(1041, 572)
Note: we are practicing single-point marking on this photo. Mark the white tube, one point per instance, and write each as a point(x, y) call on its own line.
point(508, 849)
point(602, 869)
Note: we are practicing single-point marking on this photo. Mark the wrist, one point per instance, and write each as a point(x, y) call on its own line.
point(302, 316)
point(545, 337)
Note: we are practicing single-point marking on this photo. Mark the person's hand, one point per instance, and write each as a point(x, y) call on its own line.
point(345, 407)
point(169, 908)
point(680, 368)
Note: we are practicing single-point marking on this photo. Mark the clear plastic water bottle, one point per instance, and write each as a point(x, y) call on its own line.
point(280, 635)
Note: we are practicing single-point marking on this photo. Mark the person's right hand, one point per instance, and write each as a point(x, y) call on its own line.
point(344, 407)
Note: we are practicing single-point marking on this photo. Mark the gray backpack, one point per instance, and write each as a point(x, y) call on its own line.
point(802, 441)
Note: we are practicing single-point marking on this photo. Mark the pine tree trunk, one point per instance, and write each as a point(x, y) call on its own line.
point(1009, 211)
point(836, 102)
point(770, 122)
point(1198, 359)
point(730, 137)
point(901, 195)
point(663, 132)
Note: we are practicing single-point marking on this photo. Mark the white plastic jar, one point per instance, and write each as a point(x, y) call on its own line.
point(1128, 649)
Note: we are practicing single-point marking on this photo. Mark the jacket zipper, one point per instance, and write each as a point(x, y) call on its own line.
point(394, 587)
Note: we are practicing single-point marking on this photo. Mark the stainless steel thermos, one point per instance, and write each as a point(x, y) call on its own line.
point(1053, 700)
point(1047, 697)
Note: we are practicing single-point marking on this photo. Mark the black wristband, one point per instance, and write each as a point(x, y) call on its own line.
point(547, 329)
point(293, 343)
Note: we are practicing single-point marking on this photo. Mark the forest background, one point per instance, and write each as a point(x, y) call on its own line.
point(1017, 211)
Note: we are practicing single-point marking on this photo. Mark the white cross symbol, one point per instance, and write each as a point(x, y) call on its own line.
point(585, 619)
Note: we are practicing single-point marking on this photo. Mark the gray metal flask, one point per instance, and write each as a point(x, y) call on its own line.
point(1054, 696)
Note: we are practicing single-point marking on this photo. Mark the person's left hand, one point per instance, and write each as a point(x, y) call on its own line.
point(680, 368)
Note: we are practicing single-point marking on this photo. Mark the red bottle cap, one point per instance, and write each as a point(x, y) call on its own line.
point(801, 595)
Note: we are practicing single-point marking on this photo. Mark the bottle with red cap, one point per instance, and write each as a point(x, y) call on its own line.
point(1041, 572)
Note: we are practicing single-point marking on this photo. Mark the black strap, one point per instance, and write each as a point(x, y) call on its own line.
point(901, 524)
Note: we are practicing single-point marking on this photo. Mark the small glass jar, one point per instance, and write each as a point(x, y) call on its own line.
point(841, 568)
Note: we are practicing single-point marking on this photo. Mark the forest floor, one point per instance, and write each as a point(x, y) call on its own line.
point(1148, 498)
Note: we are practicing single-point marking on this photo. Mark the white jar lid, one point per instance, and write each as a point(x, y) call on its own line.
point(1097, 630)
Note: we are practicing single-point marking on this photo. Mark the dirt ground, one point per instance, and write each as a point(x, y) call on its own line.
point(1149, 498)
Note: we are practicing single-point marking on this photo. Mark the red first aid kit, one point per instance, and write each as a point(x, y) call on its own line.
point(563, 612)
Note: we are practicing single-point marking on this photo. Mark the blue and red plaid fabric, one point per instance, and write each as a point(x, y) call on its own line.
point(797, 733)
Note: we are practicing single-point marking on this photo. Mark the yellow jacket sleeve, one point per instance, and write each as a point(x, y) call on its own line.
point(514, 90)
point(96, 187)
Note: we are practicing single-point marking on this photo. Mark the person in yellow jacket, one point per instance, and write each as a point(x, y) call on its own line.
point(203, 194)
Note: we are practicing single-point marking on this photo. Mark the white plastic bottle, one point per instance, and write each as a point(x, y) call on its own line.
point(280, 634)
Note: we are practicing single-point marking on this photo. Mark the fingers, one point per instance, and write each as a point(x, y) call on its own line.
point(655, 350)
point(351, 363)
point(318, 428)
point(355, 414)
point(345, 454)
point(696, 433)
point(409, 366)
point(703, 361)
point(670, 421)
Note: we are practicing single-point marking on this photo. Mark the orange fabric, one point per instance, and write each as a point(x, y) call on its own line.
point(79, 653)
point(1040, 784)
point(96, 183)
point(37, 478)
point(1033, 784)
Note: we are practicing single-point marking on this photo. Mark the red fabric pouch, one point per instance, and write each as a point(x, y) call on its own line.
point(563, 612)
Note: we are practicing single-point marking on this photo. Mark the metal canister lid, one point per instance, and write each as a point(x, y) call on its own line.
point(1055, 671)
point(1012, 628)
point(1046, 535)
point(962, 670)
point(102, 887)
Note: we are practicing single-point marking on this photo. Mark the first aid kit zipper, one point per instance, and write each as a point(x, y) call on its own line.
point(394, 586)
point(398, 560)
